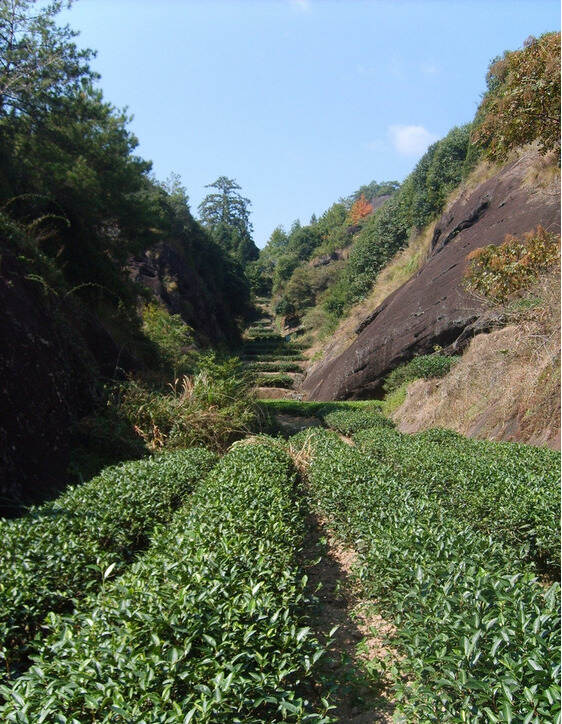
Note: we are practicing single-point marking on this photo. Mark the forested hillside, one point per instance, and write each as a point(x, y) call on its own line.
point(81, 222)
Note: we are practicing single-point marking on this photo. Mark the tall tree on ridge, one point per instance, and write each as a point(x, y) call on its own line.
point(226, 214)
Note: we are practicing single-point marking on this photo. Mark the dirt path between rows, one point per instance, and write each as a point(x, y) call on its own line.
point(350, 674)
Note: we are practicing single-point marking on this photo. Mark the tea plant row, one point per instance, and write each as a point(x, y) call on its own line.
point(64, 549)
point(350, 421)
point(506, 490)
point(477, 634)
point(206, 626)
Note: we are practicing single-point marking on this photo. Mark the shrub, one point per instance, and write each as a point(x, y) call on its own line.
point(284, 307)
point(62, 550)
point(424, 366)
point(496, 272)
point(172, 338)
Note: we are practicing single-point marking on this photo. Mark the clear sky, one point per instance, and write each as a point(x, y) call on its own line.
point(300, 101)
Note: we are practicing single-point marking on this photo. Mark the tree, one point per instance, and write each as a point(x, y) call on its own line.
point(359, 210)
point(39, 63)
point(522, 103)
point(226, 214)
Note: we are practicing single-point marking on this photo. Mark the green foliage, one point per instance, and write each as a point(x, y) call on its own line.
point(40, 62)
point(284, 267)
point(260, 282)
point(506, 489)
point(212, 407)
point(284, 308)
point(350, 421)
point(82, 199)
point(332, 229)
point(206, 627)
point(283, 381)
point(423, 367)
point(496, 272)
point(395, 398)
point(275, 366)
point(477, 635)
point(522, 103)
point(298, 291)
point(298, 286)
point(420, 198)
point(314, 409)
point(171, 337)
point(274, 357)
point(226, 214)
point(374, 190)
point(61, 551)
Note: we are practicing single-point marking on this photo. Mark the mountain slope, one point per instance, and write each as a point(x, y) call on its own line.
point(433, 308)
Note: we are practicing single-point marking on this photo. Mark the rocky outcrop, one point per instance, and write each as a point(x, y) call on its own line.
point(433, 308)
point(47, 383)
point(325, 259)
point(174, 280)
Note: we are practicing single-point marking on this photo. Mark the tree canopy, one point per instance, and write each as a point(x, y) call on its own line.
point(226, 214)
point(40, 64)
point(522, 103)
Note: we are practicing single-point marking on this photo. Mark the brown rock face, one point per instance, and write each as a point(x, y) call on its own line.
point(433, 308)
point(171, 276)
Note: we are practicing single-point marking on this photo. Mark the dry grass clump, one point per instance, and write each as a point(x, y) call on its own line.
point(544, 173)
point(507, 384)
point(213, 408)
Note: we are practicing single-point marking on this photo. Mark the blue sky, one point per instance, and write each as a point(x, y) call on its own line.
point(301, 101)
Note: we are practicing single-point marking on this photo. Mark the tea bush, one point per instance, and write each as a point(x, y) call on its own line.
point(206, 627)
point(477, 635)
point(283, 381)
point(62, 550)
point(506, 490)
point(277, 357)
point(275, 366)
point(353, 420)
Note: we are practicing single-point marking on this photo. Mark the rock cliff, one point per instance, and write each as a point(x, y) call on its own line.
point(433, 308)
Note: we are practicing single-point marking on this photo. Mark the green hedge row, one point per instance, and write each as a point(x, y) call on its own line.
point(275, 366)
point(283, 381)
point(477, 634)
point(284, 357)
point(64, 549)
point(506, 490)
point(351, 421)
point(205, 627)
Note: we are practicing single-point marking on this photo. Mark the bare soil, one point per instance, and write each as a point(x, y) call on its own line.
point(350, 675)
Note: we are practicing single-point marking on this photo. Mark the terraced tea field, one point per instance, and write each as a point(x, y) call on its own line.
point(346, 573)
point(277, 362)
